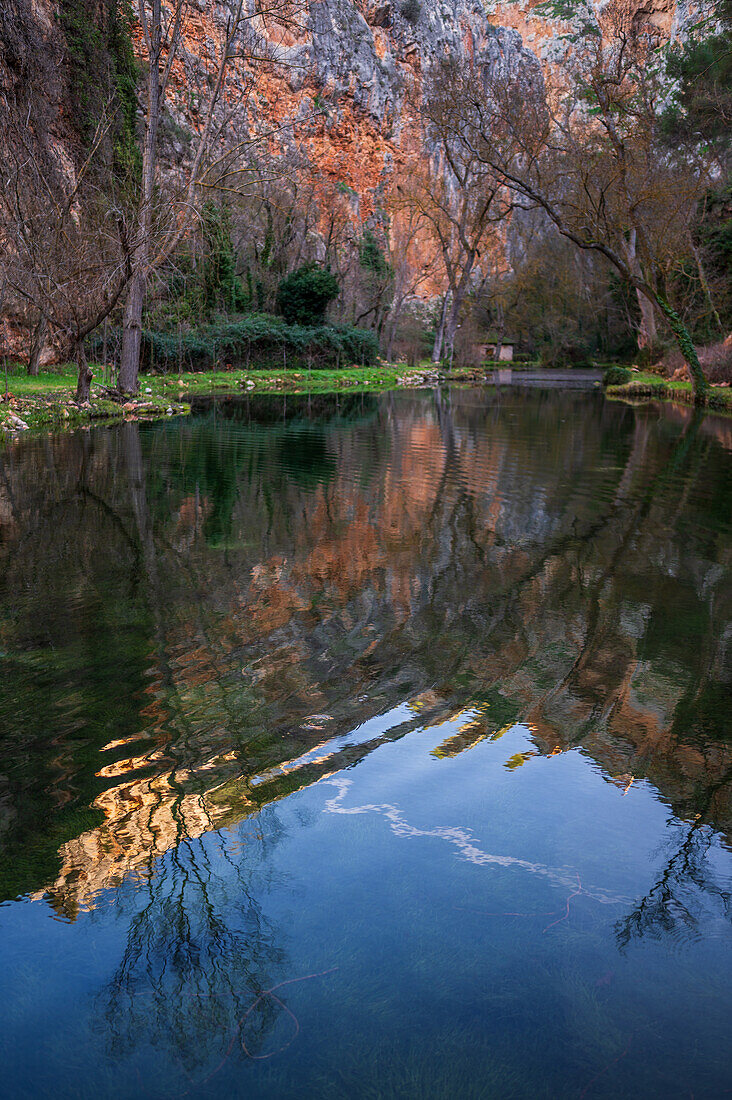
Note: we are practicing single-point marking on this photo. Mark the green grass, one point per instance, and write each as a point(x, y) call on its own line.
point(21, 384)
point(47, 401)
point(646, 384)
point(277, 381)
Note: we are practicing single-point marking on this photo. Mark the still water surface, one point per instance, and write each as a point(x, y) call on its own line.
point(368, 747)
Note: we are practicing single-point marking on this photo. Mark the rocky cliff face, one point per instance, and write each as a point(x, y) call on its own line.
point(347, 90)
point(346, 76)
point(353, 78)
point(345, 96)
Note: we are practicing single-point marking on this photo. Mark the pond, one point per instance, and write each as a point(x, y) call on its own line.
point(368, 746)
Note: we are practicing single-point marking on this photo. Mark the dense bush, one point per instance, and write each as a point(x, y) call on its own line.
point(304, 295)
point(616, 376)
point(195, 291)
point(372, 258)
point(256, 340)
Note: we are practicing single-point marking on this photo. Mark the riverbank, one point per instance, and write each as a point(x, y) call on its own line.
point(645, 384)
point(46, 402)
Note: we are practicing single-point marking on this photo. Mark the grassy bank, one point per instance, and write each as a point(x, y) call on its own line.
point(47, 401)
point(645, 384)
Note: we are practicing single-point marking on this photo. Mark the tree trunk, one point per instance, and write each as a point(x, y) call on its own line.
point(392, 324)
point(38, 340)
point(83, 384)
point(451, 329)
point(452, 318)
point(705, 286)
point(440, 334)
point(699, 384)
point(129, 363)
point(128, 381)
point(389, 351)
point(647, 331)
point(501, 334)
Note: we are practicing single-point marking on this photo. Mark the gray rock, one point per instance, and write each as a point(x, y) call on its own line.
point(344, 55)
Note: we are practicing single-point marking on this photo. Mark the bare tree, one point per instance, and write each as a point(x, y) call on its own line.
point(275, 215)
point(162, 31)
point(64, 233)
point(459, 201)
point(593, 161)
point(160, 226)
point(412, 260)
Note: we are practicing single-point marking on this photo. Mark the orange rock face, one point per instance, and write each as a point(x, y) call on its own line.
point(342, 86)
point(332, 89)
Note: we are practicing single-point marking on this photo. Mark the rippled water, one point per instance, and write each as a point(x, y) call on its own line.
point(368, 747)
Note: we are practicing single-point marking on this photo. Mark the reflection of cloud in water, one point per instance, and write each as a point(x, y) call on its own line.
point(463, 840)
point(379, 726)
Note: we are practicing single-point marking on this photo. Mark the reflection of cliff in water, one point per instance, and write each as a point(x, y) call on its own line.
point(188, 607)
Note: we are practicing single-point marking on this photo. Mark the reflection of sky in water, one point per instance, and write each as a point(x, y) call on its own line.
point(380, 756)
point(442, 954)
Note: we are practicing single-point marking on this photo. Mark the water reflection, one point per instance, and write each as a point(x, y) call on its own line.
point(683, 895)
point(188, 607)
point(189, 972)
point(492, 628)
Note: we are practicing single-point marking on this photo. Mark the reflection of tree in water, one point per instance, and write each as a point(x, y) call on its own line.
point(682, 894)
point(442, 552)
point(199, 950)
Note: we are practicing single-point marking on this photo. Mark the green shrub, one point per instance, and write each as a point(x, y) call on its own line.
point(255, 340)
point(303, 295)
point(371, 256)
point(616, 376)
